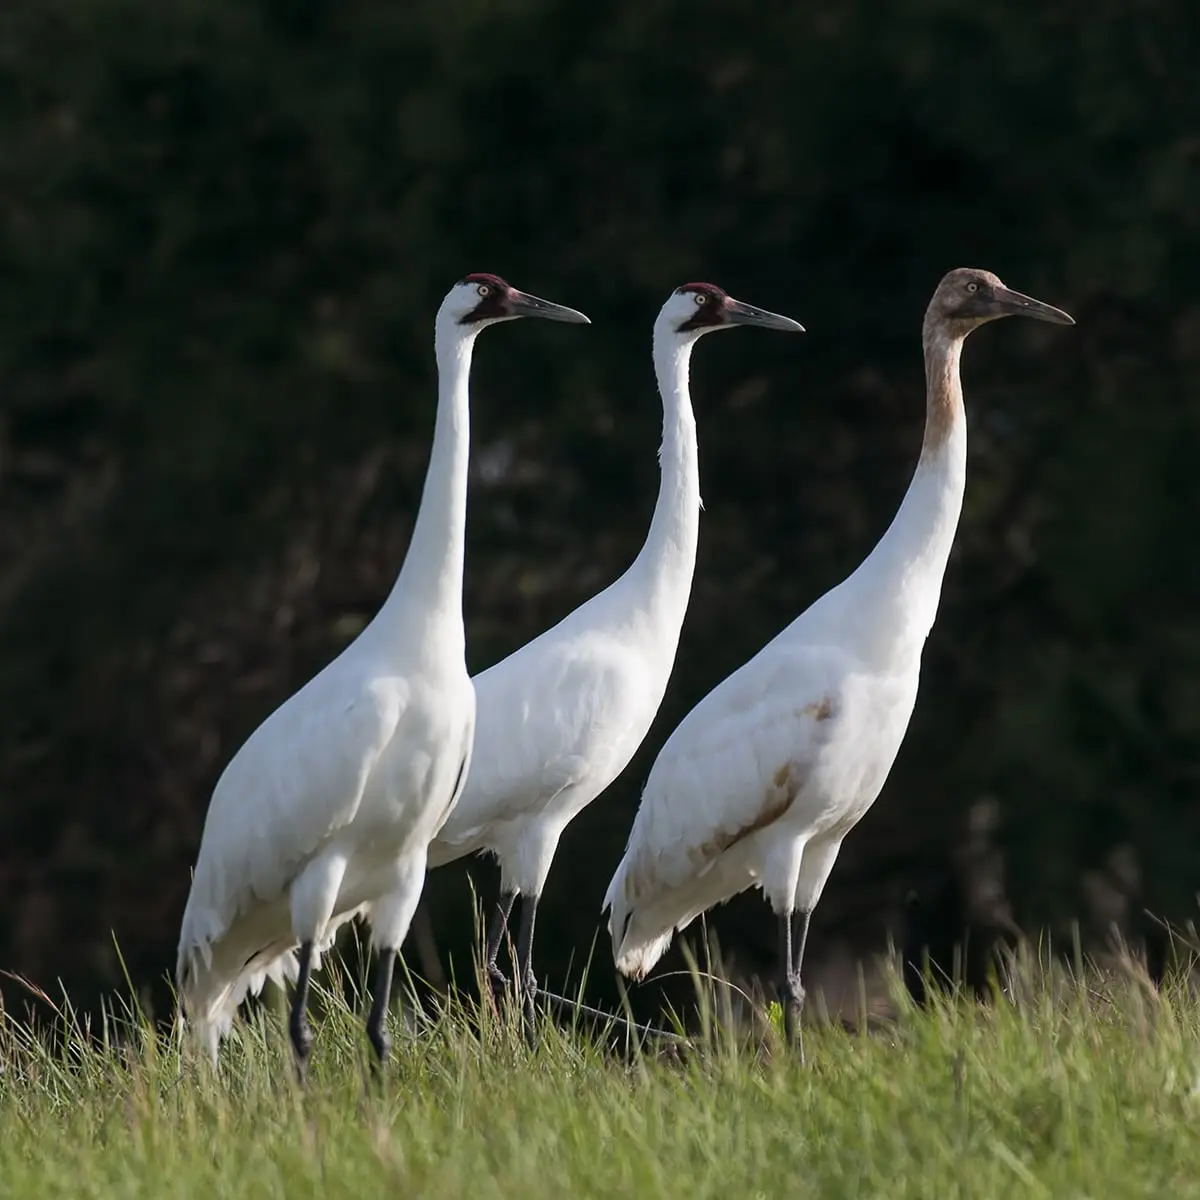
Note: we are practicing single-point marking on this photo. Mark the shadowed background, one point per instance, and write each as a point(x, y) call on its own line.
point(224, 229)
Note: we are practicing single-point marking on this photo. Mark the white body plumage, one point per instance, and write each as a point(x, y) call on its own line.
point(327, 810)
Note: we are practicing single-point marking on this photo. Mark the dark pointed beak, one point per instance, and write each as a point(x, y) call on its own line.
point(1012, 304)
point(520, 304)
point(746, 314)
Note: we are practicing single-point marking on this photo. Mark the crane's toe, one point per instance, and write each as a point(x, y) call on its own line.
point(497, 982)
point(529, 993)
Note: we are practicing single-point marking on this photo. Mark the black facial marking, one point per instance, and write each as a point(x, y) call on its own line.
point(710, 311)
point(493, 304)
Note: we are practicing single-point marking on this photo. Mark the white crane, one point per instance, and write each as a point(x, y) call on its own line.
point(762, 780)
point(327, 810)
point(559, 719)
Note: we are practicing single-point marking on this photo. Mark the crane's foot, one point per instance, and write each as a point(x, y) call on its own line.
point(381, 1043)
point(302, 1044)
point(529, 993)
point(793, 1006)
point(497, 981)
point(497, 984)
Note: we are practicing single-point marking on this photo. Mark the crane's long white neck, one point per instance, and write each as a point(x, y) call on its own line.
point(666, 562)
point(901, 580)
point(425, 605)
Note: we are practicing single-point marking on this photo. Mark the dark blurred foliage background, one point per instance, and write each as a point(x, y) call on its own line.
point(225, 226)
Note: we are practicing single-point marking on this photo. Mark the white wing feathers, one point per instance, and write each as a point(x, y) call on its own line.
point(297, 780)
point(518, 757)
point(744, 757)
point(547, 717)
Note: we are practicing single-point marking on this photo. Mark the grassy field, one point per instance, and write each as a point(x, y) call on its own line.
point(1065, 1089)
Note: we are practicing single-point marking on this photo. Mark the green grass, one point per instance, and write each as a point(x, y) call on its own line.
point(1069, 1089)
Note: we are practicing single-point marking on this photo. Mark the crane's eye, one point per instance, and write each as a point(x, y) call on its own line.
point(483, 289)
point(972, 286)
point(701, 298)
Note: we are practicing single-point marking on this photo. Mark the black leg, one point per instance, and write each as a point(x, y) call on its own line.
point(524, 967)
point(301, 1031)
point(377, 1030)
point(495, 936)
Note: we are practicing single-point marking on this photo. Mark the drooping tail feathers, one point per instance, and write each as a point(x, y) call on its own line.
point(636, 959)
point(208, 1004)
point(635, 948)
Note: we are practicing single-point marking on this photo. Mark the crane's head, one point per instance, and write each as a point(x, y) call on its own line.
point(699, 308)
point(481, 299)
point(967, 298)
